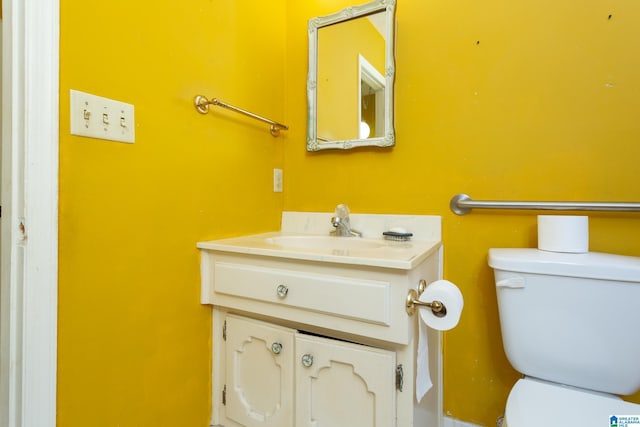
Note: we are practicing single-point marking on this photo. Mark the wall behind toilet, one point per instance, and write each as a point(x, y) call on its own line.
point(500, 100)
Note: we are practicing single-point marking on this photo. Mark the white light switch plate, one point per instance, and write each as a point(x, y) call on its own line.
point(103, 118)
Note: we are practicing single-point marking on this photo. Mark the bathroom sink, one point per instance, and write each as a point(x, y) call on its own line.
point(325, 248)
point(324, 242)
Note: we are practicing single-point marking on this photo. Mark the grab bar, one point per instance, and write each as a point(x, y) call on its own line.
point(461, 204)
point(202, 105)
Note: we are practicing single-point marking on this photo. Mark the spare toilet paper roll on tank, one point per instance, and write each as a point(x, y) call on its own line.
point(563, 233)
point(448, 294)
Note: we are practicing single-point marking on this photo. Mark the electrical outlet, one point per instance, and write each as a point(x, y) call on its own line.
point(102, 118)
point(277, 180)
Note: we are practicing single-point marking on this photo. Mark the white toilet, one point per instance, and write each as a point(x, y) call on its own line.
point(571, 324)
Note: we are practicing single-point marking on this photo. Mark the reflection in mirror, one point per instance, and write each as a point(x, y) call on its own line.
point(351, 72)
point(371, 100)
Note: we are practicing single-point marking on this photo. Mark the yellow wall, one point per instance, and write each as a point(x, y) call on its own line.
point(134, 341)
point(501, 100)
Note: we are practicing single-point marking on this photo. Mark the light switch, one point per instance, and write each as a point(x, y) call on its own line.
point(103, 118)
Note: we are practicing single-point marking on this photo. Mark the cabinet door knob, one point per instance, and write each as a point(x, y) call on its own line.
point(282, 291)
point(276, 348)
point(307, 360)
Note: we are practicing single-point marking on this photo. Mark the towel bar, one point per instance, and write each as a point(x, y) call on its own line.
point(202, 105)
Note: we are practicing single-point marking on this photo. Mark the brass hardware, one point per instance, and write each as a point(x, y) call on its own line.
point(437, 307)
point(202, 105)
point(422, 285)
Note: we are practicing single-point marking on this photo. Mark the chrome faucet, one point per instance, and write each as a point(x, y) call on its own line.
point(340, 221)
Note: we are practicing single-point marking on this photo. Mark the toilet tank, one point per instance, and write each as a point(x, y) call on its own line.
point(572, 319)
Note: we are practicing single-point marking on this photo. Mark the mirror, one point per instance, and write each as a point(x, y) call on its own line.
point(351, 75)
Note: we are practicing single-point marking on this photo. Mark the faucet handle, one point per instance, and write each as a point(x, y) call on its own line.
point(342, 211)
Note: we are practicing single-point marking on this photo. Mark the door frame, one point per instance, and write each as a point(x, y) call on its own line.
point(29, 243)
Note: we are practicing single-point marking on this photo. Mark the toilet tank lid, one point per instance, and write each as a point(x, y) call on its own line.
point(593, 265)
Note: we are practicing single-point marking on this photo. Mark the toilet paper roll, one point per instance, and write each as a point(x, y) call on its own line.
point(448, 294)
point(563, 233)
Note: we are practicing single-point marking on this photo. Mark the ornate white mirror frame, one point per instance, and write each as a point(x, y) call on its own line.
point(317, 142)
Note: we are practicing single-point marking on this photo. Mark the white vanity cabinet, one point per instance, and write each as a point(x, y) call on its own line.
point(336, 383)
point(319, 337)
point(343, 384)
point(258, 385)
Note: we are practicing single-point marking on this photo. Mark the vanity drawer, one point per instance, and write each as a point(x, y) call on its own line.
point(360, 299)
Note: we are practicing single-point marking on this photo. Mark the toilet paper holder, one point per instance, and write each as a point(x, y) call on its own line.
point(437, 307)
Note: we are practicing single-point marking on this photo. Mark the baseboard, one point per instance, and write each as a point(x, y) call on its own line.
point(451, 422)
point(447, 422)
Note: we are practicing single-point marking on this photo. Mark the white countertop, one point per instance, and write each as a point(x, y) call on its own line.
point(374, 252)
point(369, 250)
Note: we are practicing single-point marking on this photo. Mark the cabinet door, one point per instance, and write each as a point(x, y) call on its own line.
point(342, 384)
point(259, 373)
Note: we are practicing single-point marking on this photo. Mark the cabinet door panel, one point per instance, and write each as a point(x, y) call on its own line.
point(259, 375)
point(346, 385)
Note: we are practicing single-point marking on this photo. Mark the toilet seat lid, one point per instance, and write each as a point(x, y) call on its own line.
point(535, 403)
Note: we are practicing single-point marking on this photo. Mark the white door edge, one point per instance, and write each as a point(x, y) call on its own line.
point(29, 253)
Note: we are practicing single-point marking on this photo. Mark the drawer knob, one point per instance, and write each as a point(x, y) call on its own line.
point(307, 360)
point(282, 291)
point(276, 348)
